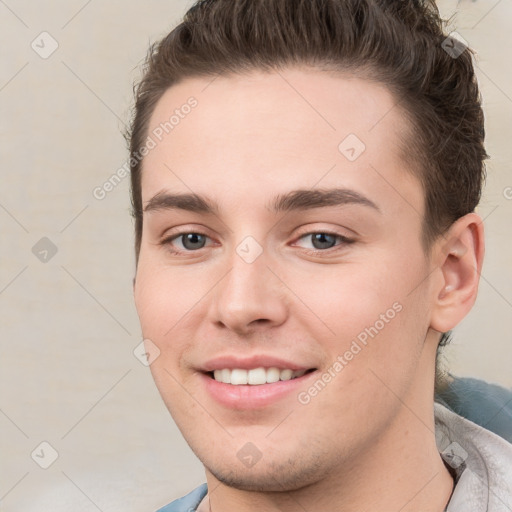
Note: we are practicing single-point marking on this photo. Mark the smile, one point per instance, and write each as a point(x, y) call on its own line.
point(256, 376)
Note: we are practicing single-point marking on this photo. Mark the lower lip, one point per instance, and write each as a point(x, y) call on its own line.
point(252, 396)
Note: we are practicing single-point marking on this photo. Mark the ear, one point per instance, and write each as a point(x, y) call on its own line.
point(460, 255)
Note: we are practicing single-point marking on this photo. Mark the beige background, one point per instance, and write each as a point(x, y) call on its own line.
point(68, 326)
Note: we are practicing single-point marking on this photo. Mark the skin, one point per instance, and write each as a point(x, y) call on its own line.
point(366, 441)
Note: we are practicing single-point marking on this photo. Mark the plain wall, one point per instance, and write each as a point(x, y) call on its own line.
point(68, 375)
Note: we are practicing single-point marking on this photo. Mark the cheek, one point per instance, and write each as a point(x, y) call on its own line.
point(348, 298)
point(374, 312)
point(165, 300)
point(165, 296)
point(378, 333)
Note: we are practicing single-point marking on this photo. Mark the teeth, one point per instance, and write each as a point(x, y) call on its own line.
point(238, 377)
point(273, 375)
point(286, 374)
point(256, 376)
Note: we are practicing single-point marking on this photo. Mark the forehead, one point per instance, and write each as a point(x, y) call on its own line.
point(284, 130)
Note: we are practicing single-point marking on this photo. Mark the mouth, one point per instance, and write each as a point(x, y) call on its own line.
point(253, 382)
point(256, 376)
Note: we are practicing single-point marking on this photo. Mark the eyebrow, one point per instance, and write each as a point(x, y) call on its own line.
point(291, 201)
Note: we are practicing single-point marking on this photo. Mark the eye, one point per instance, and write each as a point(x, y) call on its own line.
point(190, 241)
point(323, 241)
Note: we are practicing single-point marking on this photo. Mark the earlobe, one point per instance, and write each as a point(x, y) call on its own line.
point(460, 257)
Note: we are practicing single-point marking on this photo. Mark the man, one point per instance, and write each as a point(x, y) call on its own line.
point(304, 179)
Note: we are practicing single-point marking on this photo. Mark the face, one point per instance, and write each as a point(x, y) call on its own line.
point(303, 259)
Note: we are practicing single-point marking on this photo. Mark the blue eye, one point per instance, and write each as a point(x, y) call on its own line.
point(323, 241)
point(191, 241)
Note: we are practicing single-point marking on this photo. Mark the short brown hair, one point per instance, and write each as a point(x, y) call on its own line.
point(398, 43)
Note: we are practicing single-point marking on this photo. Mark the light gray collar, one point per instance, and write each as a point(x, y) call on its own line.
point(481, 460)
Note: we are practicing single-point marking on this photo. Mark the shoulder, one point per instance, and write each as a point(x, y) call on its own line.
point(481, 460)
point(485, 404)
point(188, 503)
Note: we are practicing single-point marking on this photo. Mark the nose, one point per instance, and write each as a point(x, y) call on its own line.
point(250, 297)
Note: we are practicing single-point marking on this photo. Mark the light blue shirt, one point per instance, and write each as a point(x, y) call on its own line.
point(188, 503)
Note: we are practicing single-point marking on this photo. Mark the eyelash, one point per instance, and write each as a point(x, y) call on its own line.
point(344, 241)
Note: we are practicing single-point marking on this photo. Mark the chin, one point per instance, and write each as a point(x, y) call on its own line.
point(268, 475)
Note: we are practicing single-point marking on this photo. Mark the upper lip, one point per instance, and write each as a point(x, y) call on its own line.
point(248, 363)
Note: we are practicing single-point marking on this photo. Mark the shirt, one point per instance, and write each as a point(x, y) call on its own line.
point(485, 404)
